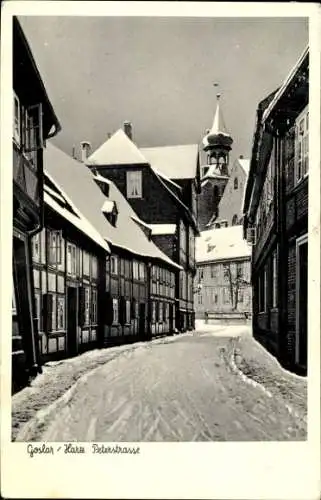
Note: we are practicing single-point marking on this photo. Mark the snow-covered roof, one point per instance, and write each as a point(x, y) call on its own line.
point(80, 223)
point(108, 206)
point(175, 162)
point(78, 181)
point(285, 84)
point(100, 178)
point(117, 150)
point(220, 244)
point(158, 229)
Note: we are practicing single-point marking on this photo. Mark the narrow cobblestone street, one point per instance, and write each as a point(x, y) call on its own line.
point(181, 388)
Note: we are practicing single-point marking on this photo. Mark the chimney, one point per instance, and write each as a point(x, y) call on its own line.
point(128, 129)
point(85, 148)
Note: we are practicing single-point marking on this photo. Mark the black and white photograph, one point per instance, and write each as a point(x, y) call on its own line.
point(162, 241)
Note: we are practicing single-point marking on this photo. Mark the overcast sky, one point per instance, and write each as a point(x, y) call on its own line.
point(159, 73)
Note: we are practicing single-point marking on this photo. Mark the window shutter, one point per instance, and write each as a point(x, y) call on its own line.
point(81, 306)
point(47, 303)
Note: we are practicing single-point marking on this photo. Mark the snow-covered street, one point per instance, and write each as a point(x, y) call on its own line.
point(180, 388)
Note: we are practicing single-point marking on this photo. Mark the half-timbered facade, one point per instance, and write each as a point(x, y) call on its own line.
point(276, 218)
point(34, 121)
point(112, 260)
point(161, 185)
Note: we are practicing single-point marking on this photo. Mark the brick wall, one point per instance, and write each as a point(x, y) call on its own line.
point(166, 243)
point(156, 205)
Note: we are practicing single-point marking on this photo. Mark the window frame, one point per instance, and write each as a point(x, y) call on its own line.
point(16, 132)
point(134, 180)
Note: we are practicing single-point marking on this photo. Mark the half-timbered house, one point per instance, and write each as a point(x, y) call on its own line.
point(114, 286)
point(161, 187)
point(276, 218)
point(34, 121)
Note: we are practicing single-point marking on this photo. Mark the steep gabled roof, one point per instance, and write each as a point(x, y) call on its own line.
point(117, 150)
point(175, 162)
point(78, 182)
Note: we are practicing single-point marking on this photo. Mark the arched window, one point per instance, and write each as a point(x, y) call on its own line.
point(236, 183)
point(234, 220)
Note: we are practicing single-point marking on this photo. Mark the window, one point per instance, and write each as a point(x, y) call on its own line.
point(86, 263)
point(226, 296)
point(201, 273)
point(236, 183)
point(38, 311)
point(71, 259)
point(36, 248)
point(134, 183)
point(153, 312)
point(239, 270)
point(241, 296)
point(16, 119)
point(135, 270)
point(114, 264)
point(94, 267)
point(54, 251)
point(215, 298)
point(275, 280)
point(200, 299)
point(14, 304)
point(141, 271)
point(160, 312)
point(60, 312)
point(115, 312)
point(94, 306)
point(234, 220)
point(128, 311)
point(214, 271)
point(87, 306)
point(302, 145)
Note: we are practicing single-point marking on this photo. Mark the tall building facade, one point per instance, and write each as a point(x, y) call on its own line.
point(34, 121)
point(276, 219)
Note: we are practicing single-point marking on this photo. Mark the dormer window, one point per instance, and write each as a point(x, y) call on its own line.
point(110, 211)
point(134, 183)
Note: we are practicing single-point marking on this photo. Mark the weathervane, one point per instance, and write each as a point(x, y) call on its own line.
point(218, 95)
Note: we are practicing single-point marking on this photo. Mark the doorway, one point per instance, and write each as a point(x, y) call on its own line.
point(301, 343)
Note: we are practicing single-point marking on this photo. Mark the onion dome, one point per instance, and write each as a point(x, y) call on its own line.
point(217, 136)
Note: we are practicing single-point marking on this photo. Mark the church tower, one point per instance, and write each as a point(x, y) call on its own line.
point(217, 145)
